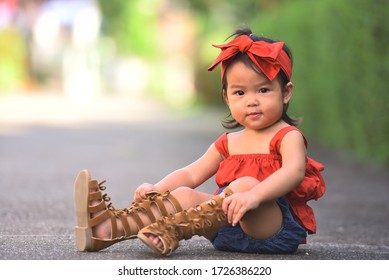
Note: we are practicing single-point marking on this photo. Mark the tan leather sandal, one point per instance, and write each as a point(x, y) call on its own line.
point(89, 216)
point(206, 217)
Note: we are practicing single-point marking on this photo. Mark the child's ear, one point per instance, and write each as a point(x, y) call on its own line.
point(288, 92)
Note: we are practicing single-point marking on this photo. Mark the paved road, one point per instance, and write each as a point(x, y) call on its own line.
point(44, 142)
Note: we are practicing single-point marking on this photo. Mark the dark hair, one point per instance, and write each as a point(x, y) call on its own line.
point(230, 122)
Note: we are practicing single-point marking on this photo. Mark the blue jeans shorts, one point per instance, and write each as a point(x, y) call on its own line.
point(285, 241)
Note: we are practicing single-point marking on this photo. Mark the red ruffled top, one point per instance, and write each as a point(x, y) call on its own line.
point(261, 166)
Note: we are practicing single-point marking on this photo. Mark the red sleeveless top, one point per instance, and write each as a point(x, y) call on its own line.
point(261, 166)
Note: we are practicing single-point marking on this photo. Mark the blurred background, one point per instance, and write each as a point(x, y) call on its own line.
point(79, 51)
point(122, 88)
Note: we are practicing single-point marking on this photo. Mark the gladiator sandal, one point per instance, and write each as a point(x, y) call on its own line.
point(199, 220)
point(89, 216)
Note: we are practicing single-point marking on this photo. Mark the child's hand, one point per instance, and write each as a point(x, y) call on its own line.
point(142, 190)
point(236, 205)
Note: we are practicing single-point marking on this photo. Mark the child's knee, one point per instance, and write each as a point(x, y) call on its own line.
point(243, 183)
point(182, 191)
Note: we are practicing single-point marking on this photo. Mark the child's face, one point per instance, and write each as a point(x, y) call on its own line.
point(254, 101)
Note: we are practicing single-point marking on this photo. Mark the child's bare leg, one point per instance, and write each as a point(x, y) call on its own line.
point(100, 225)
point(242, 184)
point(262, 222)
point(204, 219)
point(187, 198)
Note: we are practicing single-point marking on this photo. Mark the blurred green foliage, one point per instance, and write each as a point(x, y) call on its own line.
point(133, 25)
point(341, 67)
point(12, 59)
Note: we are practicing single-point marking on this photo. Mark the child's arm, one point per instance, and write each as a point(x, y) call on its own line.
point(281, 182)
point(191, 175)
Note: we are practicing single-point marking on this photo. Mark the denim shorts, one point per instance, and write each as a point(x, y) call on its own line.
point(285, 241)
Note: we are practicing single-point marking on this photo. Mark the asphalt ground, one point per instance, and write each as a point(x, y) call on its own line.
point(46, 140)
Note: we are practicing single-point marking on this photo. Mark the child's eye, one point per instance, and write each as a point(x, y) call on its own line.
point(239, 93)
point(263, 90)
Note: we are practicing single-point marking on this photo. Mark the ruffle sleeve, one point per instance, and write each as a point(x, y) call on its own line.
point(221, 145)
point(311, 188)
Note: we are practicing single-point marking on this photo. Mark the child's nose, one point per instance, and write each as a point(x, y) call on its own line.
point(252, 101)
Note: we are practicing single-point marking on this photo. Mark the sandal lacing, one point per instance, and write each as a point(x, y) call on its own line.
point(89, 215)
point(184, 225)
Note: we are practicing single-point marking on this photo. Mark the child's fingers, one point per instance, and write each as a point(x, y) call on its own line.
point(142, 190)
point(234, 208)
point(233, 213)
point(225, 205)
point(137, 196)
point(239, 211)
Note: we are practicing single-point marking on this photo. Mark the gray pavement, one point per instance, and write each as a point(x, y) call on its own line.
point(44, 142)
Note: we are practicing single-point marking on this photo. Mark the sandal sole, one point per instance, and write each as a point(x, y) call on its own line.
point(83, 232)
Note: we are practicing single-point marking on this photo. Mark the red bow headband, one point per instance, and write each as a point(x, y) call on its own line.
point(268, 57)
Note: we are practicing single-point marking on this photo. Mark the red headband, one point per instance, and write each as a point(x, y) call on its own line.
point(268, 57)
